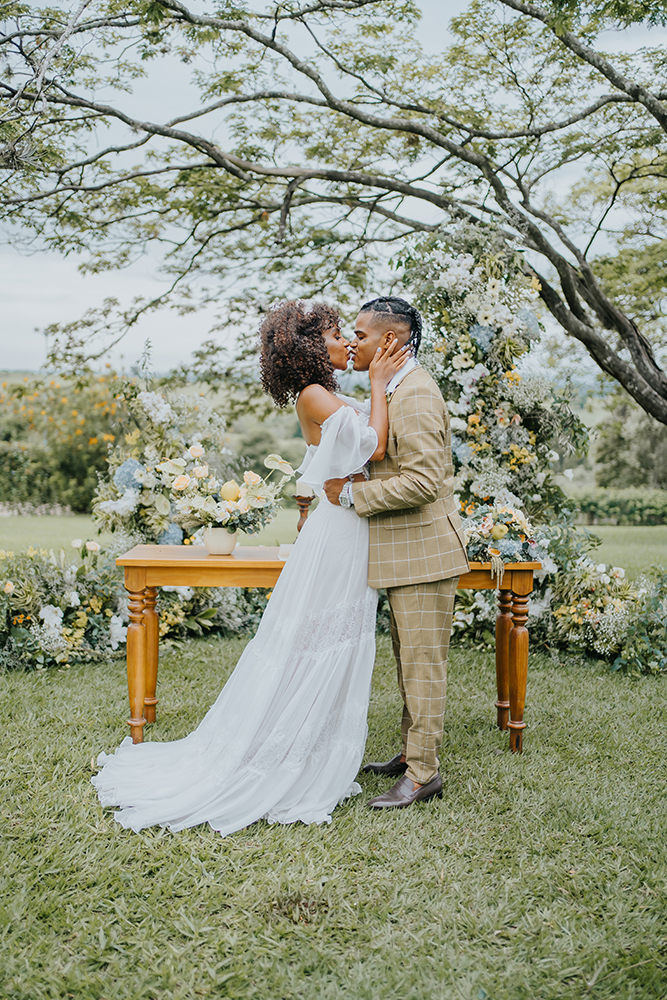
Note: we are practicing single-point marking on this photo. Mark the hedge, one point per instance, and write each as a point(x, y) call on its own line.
point(635, 505)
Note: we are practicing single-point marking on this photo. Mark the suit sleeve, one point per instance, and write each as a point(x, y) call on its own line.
point(419, 427)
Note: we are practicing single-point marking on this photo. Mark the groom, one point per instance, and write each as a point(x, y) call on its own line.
point(417, 549)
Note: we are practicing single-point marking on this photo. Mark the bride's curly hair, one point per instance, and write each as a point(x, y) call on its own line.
point(293, 353)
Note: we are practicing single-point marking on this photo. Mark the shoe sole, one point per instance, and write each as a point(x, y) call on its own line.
point(388, 774)
point(405, 805)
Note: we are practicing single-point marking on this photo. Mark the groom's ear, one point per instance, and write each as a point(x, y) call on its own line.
point(388, 338)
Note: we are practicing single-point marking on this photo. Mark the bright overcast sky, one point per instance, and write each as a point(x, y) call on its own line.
point(45, 288)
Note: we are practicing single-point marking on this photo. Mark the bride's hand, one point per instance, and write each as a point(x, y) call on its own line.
point(387, 361)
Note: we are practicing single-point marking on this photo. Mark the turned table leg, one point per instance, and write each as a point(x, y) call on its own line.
point(518, 658)
point(152, 622)
point(503, 628)
point(136, 652)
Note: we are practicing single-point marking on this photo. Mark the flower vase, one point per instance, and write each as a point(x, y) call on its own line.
point(219, 541)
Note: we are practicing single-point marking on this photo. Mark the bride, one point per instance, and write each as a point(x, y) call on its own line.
point(286, 736)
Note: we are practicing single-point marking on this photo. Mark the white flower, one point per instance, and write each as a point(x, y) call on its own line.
point(196, 450)
point(156, 407)
point(457, 424)
point(93, 546)
point(117, 631)
point(52, 617)
point(601, 568)
point(200, 471)
point(617, 572)
point(605, 578)
point(123, 506)
point(9, 587)
point(568, 473)
point(77, 543)
point(73, 599)
point(146, 478)
point(552, 456)
point(536, 497)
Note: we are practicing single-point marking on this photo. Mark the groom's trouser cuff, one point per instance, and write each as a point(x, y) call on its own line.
point(421, 625)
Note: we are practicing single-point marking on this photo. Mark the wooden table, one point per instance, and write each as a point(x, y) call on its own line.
point(148, 567)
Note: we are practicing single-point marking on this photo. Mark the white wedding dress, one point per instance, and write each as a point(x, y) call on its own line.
point(286, 736)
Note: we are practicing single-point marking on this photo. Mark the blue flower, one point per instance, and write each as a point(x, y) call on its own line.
point(482, 335)
point(462, 450)
point(508, 547)
point(530, 322)
point(124, 475)
point(172, 535)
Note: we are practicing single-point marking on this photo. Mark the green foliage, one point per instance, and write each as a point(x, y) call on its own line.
point(644, 649)
point(56, 438)
point(632, 505)
point(631, 449)
point(316, 183)
point(571, 909)
point(53, 611)
point(623, 12)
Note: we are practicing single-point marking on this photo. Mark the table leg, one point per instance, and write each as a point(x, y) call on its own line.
point(152, 621)
point(136, 655)
point(518, 662)
point(503, 628)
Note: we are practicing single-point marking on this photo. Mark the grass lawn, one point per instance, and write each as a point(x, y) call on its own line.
point(634, 548)
point(536, 877)
point(19, 532)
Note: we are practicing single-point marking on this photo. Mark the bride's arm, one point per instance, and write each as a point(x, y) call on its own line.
point(383, 367)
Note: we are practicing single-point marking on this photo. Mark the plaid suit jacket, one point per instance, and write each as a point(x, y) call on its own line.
point(415, 529)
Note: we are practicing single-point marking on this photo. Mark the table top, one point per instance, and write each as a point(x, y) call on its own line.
point(250, 556)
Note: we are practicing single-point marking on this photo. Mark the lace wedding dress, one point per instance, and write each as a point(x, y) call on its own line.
point(286, 736)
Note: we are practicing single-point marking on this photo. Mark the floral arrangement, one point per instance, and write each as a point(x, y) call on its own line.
point(500, 533)
point(478, 297)
point(53, 610)
point(591, 607)
point(135, 500)
point(200, 499)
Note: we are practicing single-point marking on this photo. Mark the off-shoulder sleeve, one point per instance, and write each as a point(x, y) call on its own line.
point(346, 444)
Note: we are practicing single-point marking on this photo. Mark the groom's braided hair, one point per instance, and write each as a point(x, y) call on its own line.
point(398, 307)
point(292, 352)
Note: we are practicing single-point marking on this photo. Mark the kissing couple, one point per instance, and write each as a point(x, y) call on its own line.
point(285, 738)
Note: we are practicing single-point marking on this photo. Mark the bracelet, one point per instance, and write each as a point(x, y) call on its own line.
point(345, 496)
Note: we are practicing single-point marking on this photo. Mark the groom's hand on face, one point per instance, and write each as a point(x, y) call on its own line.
point(332, 488)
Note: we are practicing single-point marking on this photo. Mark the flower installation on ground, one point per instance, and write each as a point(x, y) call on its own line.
point(509, 423)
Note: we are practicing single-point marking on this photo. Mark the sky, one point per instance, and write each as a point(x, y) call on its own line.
point(44, 287)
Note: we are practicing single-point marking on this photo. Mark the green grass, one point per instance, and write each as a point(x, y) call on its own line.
point(19, 532)
point(536, 877)
point(634, 548)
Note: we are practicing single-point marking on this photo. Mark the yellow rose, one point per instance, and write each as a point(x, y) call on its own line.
point(499, 531)
point(196, 450)
point(181, 482)
point(251, 478)
point(9, 587)
point(230, 490)
point(200, 471)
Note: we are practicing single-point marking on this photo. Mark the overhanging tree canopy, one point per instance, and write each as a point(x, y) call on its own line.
point(324, 136)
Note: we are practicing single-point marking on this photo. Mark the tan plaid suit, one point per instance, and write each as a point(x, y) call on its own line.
point(417, 552)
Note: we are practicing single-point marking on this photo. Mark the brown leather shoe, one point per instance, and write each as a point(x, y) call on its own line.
point(392, 767)
point(405, 794)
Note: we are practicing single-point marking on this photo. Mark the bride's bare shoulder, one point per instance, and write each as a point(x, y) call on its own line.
point(317, 403)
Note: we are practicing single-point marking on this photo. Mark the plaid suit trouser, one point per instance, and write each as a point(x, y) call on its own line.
point(421, 625)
